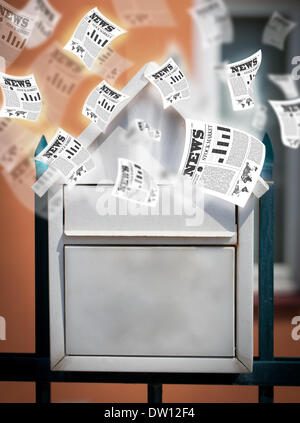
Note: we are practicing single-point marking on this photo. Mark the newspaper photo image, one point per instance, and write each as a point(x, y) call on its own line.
point(58, 75)
point(171, 83)
point(276, 30)
point(135, 184)
point(226, 162)
point(240, 77)
point(22, 97)
point(45, 23)
point(110, 65)
point(101, 104)
point(214, 21)
point(288, 114)
point(286, 84)
point(65, 154)
point(137, 13)
point(16, 27)
point(93, 33)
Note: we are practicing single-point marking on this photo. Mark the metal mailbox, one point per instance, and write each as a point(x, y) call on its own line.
point(147, 291)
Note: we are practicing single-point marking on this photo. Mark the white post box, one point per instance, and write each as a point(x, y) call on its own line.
point(147, 290)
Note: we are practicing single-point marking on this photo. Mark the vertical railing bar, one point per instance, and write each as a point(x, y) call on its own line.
point(154, 393)
point(41, 292)
point(266, 270)
point(266, 275)
point(266, 394)
point(266, 287)
point(42, 392)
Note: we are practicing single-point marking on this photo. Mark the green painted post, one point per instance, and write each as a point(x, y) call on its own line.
point(266, 269)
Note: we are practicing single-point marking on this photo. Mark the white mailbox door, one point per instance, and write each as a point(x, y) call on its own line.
point(155, 301)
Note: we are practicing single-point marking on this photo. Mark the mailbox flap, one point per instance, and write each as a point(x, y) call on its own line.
point(91, 210)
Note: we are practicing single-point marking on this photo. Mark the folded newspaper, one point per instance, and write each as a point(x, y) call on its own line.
point(227, 162)
point(240, 77)
point(214, 22)
point(288, 114)
point(15, 30)
point(110, 65)
point(101, 104)
point(59, 75)
point(276, 30)
point(22, 97)
point(67, 156)
point(93, 33)
point(135, 184)
point(136, 13)
point(45, 23)
point(171, 83)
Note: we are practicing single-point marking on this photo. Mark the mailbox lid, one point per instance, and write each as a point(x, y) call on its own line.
point(174, 301)
point(91, 210)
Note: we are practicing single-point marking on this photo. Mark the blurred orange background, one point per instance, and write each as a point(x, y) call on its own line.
point(140, 45)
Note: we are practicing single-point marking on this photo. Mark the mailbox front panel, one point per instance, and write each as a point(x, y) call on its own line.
point(149, 301)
